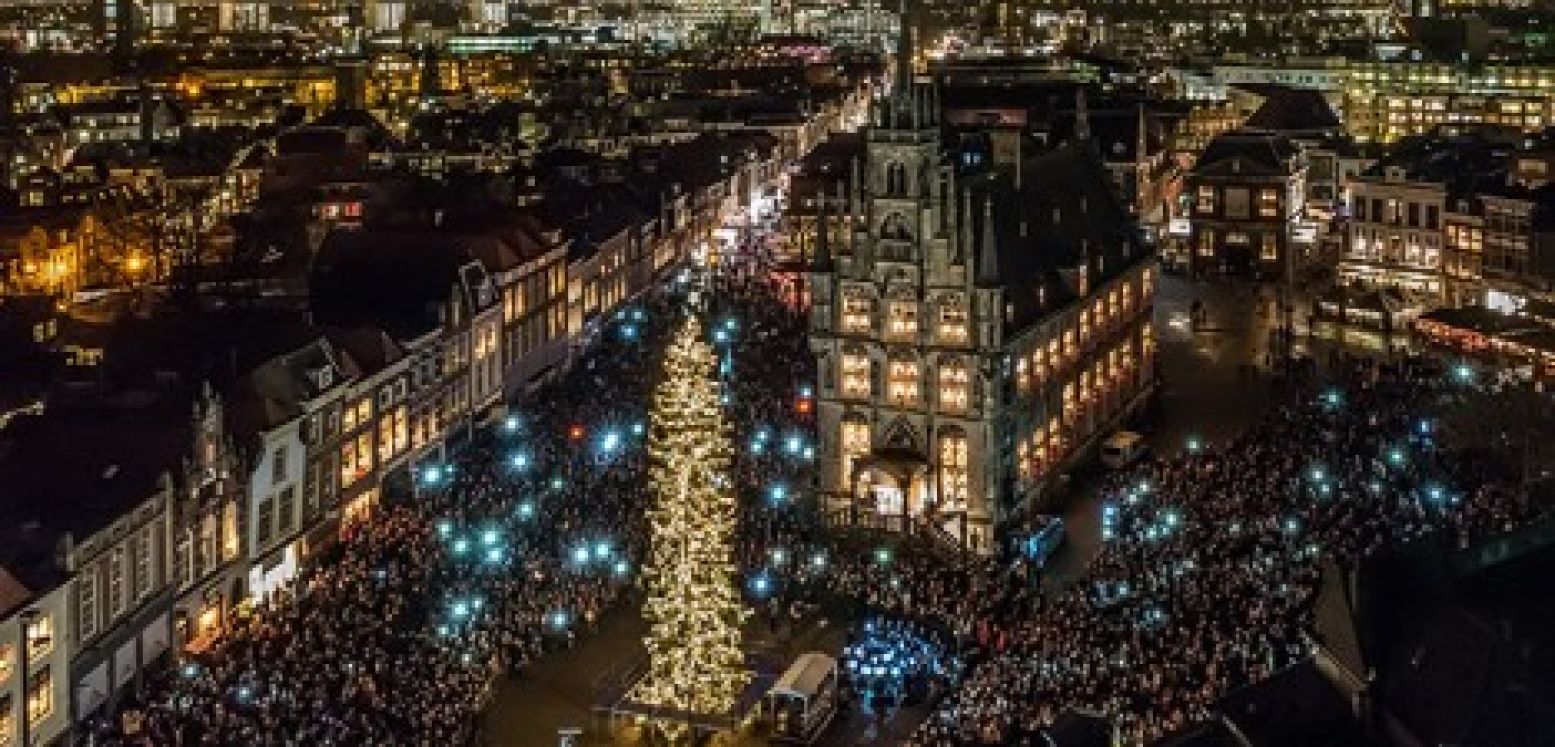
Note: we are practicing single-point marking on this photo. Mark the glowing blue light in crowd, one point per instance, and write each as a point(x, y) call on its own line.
point(761, 584)
point(762, 435)
point(560, 620)
point(621, 568)
point(1463, 372)
point(1235, 527)
point(477, 603)
point(490, 537)
point(1374, 486)
point(809, 453)
point(818, 560)
point(794, 444)
point(1194, 445)
point(431, 475)
point(445, 528)
point(461, 546)
point(510, 424)
point(777, 494)
point(1318, 474)
point(1396, 456)
point(526, 510)
point(191, 670)
point(1292, 526)
point(1333, 398)
point(1423, 427)
point(1152, 534)
point(638, 315)
point(757, 447)
point(639, 428)
point(557, 483)
point(1435, 492)
point(725, 399)
point(443, 631)
point(245, 693)
point(731, 324)
point(806, 391)
point(610, 441)
point(720, 337)
point(779, 556)
point(882, 555)
point(580, 554)
point(494, 555)
point(629, 331)
point(602, 549)
point(520, 461)
point(1143, 487)
point(460, 610)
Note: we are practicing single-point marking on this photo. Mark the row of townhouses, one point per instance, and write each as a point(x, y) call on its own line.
point(190, 457)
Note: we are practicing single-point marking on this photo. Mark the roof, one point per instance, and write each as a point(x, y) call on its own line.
point(1061, 212)
point(398, 280)
point(1247, 152)
point(77, 470)
point(804, 677)
point(1076, 729)
point(1294, 110)
point(1295, 707)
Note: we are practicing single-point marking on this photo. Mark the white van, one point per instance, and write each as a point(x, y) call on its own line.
point(1122, 449)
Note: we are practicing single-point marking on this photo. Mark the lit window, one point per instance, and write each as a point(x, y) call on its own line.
point(902, 382)
point(1206, 202)
point(855, 376)
point(1268, 204)
point(855, 443)
point(40, 696)
point(953, 386)
point(1270, 251)
point(902, 320)
point(952, 324)
point(953, 468)
point(40, 636)
point(856, 315)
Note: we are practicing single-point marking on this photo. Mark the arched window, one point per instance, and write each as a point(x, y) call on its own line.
point(856, 375)
point(955, 389)
point(902, 384)
point(895, 228)
point(953, 474)
point(895, 179)
point(854, 441)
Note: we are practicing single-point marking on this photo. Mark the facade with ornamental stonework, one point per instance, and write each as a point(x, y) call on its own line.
point(980, 316)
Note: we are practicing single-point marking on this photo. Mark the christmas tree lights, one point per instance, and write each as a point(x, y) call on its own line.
point(693, 608)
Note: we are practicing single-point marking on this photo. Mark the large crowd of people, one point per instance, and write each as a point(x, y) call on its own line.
point(534, 528)
point(1209, 570)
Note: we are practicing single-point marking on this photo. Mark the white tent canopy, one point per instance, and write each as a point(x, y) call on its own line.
point(804, 677)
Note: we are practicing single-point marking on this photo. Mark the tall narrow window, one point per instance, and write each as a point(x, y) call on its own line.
point(954, 389)
point(902, 382)
point(857, 315)
point(855, 376)
point(902, 320)
point(953, 468)
point(1268, 203)
point(952, 328)
point(854, 441)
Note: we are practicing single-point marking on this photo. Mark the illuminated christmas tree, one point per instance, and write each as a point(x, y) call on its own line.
point(693, 608)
